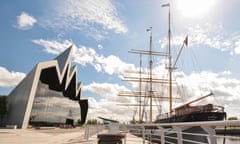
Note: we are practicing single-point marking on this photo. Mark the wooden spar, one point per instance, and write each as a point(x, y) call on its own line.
point(140, 94)
point(198, 99)
point(136, 72)
point(147, 80)
point(147, 52)
point(130, 104)
point(164, 98)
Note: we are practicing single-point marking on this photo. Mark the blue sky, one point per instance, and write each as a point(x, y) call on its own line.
point(103, 31)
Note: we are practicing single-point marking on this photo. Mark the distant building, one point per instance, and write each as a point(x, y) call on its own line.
point(49, 93)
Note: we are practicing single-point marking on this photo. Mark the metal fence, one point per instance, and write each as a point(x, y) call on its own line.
point(91, 130)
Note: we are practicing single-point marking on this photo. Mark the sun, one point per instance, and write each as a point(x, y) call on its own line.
point(195, 8)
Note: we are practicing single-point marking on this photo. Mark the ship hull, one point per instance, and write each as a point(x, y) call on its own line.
point(194, 117)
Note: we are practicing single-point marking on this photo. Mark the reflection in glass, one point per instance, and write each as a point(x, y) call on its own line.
point(51, 108)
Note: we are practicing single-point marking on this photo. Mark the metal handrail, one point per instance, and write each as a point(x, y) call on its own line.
point(200, 123)
point(91, 130)
point(172, 133)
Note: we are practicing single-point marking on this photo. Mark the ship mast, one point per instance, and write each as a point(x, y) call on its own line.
point(170, 68)
point(150, 80)
point(150, 74)
point(140, 89)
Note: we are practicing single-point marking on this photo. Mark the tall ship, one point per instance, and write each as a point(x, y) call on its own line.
point(183, 113)
point(188, 113)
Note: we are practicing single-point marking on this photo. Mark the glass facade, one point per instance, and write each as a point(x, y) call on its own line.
point(52, 108)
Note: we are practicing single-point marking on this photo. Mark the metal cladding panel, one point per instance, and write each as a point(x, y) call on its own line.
point(18, 100)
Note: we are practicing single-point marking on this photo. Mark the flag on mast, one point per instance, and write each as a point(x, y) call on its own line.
point(166, 5)
point(186, 41)
point(149, 29)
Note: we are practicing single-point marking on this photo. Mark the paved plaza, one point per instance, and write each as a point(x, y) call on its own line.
point(53, 136)
point(41, 136)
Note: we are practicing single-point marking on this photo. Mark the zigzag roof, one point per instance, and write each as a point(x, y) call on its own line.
point(61, 76)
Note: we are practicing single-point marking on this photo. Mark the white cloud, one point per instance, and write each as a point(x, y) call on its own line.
point(25, 21)
point(237, 47)
point(84, 55)
point(113, 64)
point(214, 36)
point(111, 110)
point(107, 91)
point(10, 78)
point(94, 17)
point(208, 34)
point(53, 47)
point(100, 46)
point(108, 106)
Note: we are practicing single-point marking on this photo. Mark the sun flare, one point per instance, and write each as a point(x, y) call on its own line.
point(195, 8)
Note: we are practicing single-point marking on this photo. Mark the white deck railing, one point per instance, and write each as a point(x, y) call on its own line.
point(187, 132)
point(175, 133)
